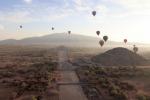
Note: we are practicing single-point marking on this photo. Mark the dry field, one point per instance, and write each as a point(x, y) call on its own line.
point(26, 73)
point(29, 73)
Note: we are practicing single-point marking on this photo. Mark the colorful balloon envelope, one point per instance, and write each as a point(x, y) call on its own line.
point(21, 26)
point(101, 42)
point(125, 40)
point(52, 28)
point(69, 32)
point(105, 38)
point(135, 49)
point(98, 33)
point(94, 13)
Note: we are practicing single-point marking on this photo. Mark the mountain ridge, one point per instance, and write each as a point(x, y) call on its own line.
point(61, 39)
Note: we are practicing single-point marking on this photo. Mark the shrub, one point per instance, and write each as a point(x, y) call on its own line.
point(104, 85)
point(126, 86)
point(34, 98)
point(118, 95)
point(141, 97)
point(122, 96)
point(113, 92)
point(101, 80)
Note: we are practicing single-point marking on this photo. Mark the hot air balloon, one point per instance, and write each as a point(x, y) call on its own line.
point(105, 38)
point(52, 28)
point(21, 26)
point(98, 33)
point(101, 42)
point(93, 13)
point(125, 40)
point(69, 32)
point(135, 49)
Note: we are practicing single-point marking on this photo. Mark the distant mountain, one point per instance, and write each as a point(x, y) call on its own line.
point(60, 39)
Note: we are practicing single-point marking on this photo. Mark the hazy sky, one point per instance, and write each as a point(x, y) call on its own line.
point(118, 19)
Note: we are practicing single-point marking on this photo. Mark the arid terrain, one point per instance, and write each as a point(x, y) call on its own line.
point(67, 73)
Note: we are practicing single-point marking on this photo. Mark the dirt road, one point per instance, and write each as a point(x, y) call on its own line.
point(68, 92)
